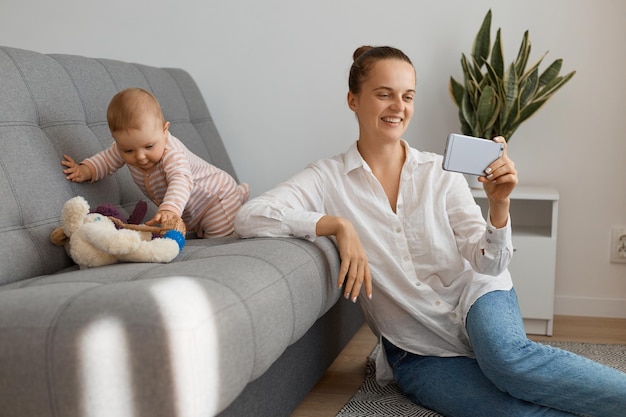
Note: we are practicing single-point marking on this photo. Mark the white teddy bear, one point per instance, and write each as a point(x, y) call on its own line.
point(93, 240)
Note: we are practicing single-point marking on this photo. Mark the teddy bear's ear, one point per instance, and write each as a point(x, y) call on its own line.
point(73, 213)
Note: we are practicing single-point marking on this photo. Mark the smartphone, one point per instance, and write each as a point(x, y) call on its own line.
point(470, 155)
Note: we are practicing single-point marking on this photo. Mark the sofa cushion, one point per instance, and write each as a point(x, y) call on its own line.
point(213, 321)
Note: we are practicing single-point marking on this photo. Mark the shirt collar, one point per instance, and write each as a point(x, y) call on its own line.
point(353, 159)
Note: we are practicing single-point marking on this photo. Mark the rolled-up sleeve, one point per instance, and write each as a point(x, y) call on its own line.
point(292, 209)
point(497, 249)
point(487, 248)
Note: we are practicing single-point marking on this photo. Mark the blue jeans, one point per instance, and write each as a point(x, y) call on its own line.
point(511, 375)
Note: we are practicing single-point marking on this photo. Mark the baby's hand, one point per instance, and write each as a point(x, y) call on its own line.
point(162, 216)
point(75, 172)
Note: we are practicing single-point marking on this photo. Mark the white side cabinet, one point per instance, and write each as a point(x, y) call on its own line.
point(534, 213)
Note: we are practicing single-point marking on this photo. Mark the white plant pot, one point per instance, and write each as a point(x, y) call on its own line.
point(472, 181)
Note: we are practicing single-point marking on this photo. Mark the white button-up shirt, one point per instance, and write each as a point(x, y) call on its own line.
point(430, 260)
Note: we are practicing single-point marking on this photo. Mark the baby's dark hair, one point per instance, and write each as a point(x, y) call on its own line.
point(365, 57)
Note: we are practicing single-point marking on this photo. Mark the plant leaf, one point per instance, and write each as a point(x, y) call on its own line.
point(466, 129)
point(456, 91)
point(487, 110)
point(550, 73)
point(471, 73)
point(522, 55)
point(549, 89)
point(528, 87)
point(543, 97)
point(482, 42)
point(493, 79)
point(469, 112)
point(529, 110)
point(533, 67)
point(511, 94)
point(497, 56)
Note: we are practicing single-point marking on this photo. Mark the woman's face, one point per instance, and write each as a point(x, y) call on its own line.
point(384, 106)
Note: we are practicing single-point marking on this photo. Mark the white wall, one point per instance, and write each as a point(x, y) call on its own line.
point(274, 74)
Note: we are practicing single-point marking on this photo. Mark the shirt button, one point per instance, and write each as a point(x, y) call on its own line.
point(437, 302)
point(398, 229)
point(490, 231)
point(307, 236)
point(418, 284)
point(488, 240)
point(406, 258)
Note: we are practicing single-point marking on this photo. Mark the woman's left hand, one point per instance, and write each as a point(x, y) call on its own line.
point(501, 176)
point(499, 183)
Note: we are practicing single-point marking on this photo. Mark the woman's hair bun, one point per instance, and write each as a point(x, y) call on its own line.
point(360, 51)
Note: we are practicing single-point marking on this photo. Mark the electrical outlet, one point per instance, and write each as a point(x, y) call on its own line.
point(618, 244)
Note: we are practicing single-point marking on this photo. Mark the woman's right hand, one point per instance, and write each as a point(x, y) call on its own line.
point(354, 270)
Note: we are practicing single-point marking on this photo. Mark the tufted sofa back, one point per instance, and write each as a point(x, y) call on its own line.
point(52, 105)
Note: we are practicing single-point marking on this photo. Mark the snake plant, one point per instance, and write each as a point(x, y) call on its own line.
point(494, 100)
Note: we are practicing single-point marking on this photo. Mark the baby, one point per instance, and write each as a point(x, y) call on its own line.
point(179, 182)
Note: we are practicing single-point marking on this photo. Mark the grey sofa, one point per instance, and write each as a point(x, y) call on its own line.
point(231, 327)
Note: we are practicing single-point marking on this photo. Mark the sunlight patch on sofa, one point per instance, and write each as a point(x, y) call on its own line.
point(107, 381)
point(189, 324)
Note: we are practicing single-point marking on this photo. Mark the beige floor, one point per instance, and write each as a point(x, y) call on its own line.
point(346, 373)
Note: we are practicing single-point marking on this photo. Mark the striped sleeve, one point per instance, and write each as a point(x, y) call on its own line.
point(179, 181)
point(104, 163)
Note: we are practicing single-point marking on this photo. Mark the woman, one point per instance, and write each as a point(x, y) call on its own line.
point(433, 271)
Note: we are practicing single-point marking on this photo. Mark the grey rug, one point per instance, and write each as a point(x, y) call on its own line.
point(372, 400)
